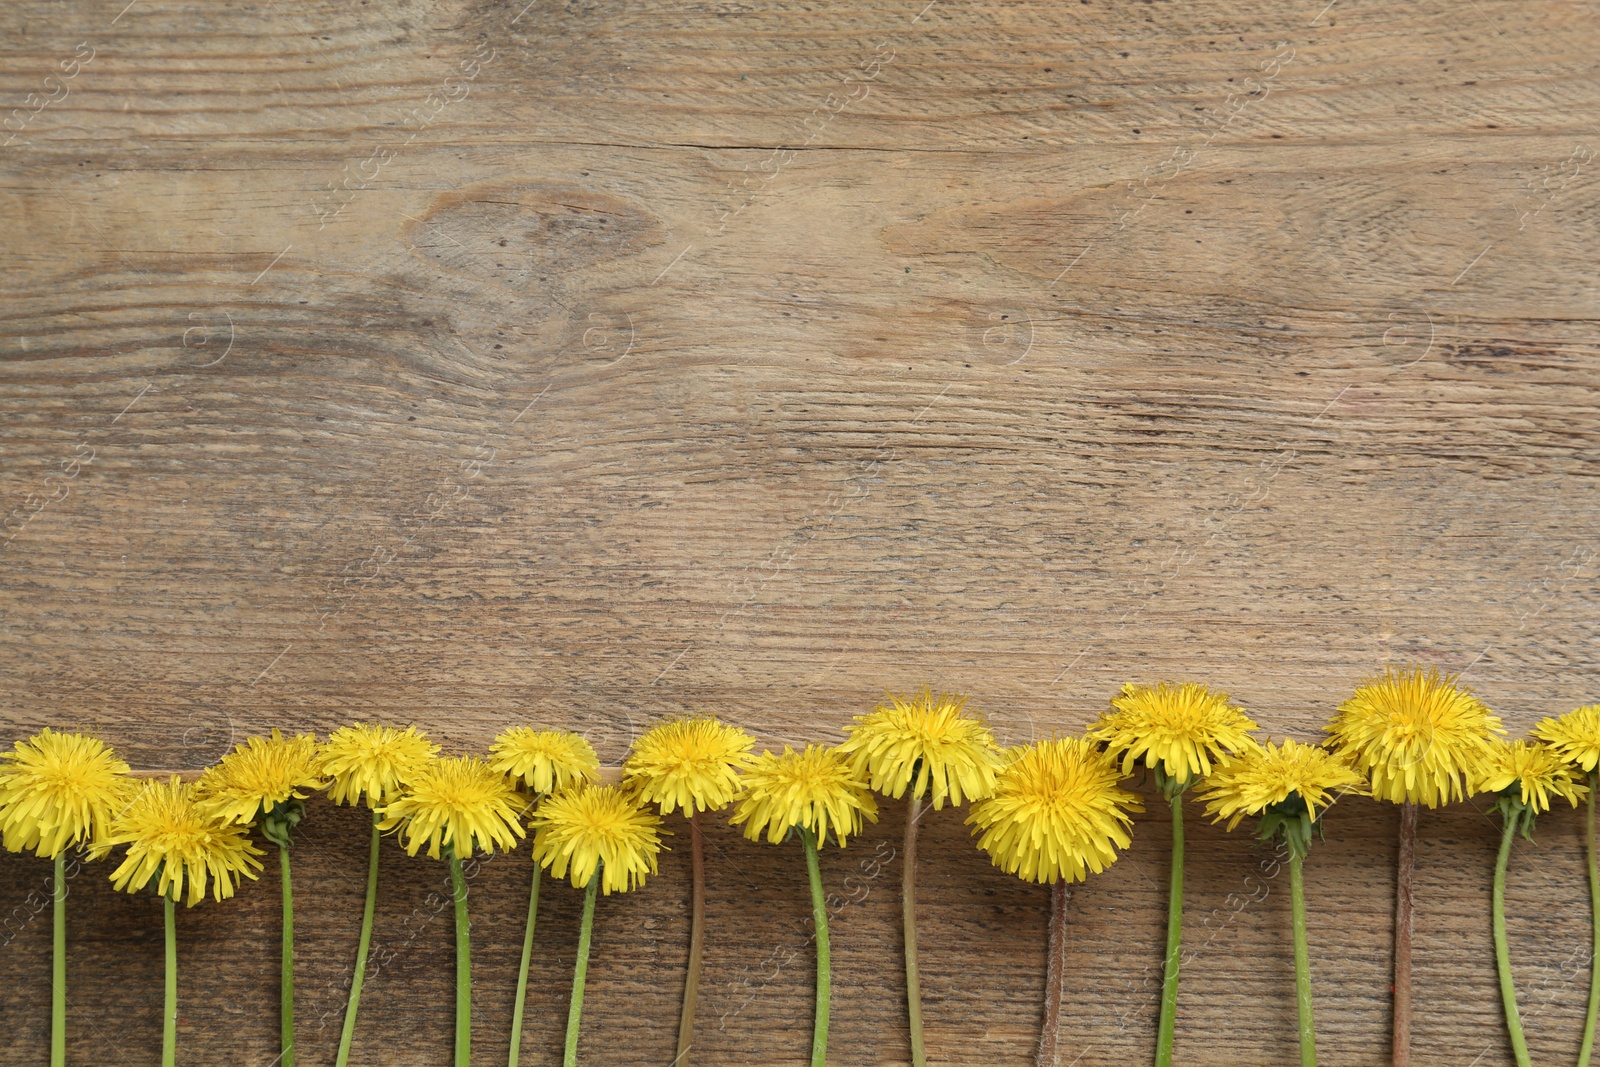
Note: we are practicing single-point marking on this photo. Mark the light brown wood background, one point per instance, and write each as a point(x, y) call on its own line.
point(756, 359)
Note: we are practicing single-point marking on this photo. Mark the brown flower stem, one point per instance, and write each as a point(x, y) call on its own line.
point(1401, 1055)
point(1055, 974)
point(908, 913)
point(697, 939)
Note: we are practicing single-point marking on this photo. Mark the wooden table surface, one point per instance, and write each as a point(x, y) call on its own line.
point(468, 363)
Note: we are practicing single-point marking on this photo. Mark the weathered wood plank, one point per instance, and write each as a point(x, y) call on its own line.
point(758, 360)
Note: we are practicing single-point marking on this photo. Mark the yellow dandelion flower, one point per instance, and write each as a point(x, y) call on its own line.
point(929, 737)
point(1526, 776)
point(458, 802)
point(176, 841)
point(1539, 774)
point(545, 760)
point(58, 790)
point(1057, 812)
point(1418, 737)
point(372, 763)
point(600, 828)
point(692, 764)
point(1261, 778)
point(817, 789)
point(259, 774)
point(1575, 736)
point(1183, 729)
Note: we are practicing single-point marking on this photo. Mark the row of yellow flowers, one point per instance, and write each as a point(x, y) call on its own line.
point(1052, 812)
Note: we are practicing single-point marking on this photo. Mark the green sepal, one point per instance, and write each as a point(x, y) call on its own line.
point(1290, 820)
point(796, 832)
point(1511, 807)
point(282, 817)
point(1170, 786)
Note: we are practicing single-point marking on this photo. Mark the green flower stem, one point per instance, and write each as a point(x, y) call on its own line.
point(169, 1007)
point(354, 1004)
point(522, 972)
point(1169, 975)
point(1594, 920)
point(58, 967)
point(1502, 961)
point(458, 892)
point(1302, 962)
point(697, 939)
point(819, 919)
point(286, 982)
point(908, 918)
point(581, 971)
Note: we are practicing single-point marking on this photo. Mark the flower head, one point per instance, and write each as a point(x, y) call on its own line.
point(1264, 777)
point(692, 764)
point(1417, 736)
point(1057, 812)
point(258, 775)
point(600, 828)
point(817, 790)
point(1575, 736)
point(173, 839)
point(1181, 730)
point(1536, 772)
point(545, 760)
point(58, 790)
point(457, 802)
point(929, 738)
point(371, 763)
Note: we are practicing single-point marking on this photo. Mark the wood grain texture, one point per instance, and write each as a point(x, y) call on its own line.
point(465, 363)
